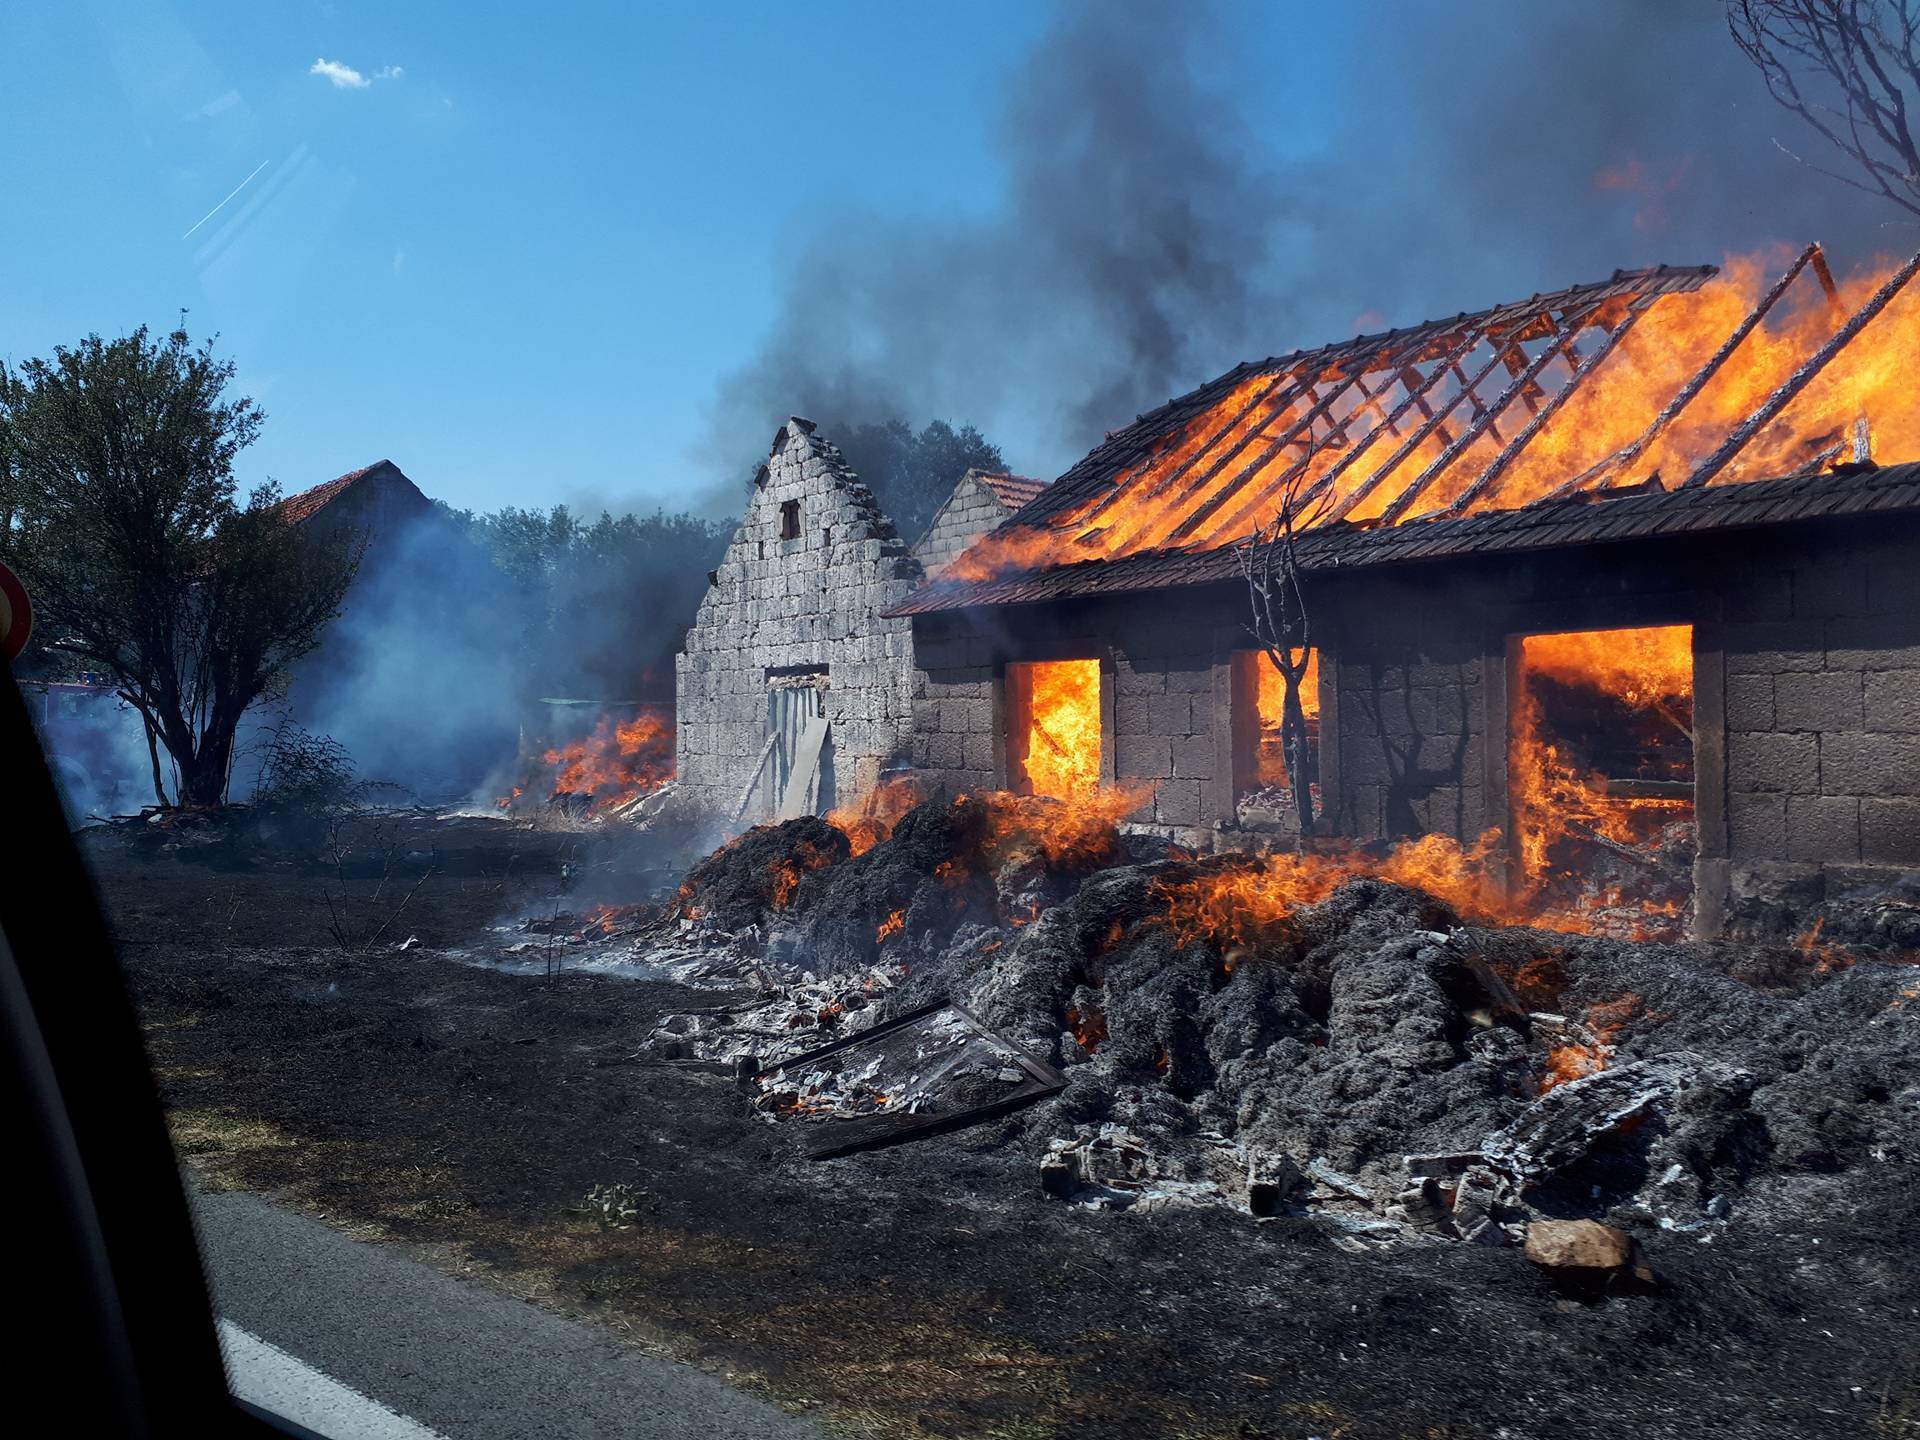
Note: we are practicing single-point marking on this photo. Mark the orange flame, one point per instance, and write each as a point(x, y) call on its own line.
point(1233, 906)
point(1060, 728)
point(1826, 956)
point(1650, 670)
point(871, 819)
point(1575, 1060)
point(789, 870)
point(1270, 701)
point(618, 762)
point(1174, 498)
point(1089, 1026)
point(1067, 834)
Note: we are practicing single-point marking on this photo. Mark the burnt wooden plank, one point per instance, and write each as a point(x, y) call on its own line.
point(823, 1138)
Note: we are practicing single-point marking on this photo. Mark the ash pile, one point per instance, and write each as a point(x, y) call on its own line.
point(1319, 1040)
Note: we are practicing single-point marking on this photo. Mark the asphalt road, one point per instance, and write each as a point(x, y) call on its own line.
point(317, 1324)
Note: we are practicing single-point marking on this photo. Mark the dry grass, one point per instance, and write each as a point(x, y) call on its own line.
point(219, 1144)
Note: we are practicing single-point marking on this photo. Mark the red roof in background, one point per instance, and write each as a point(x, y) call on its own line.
point(308, 503)
point(1012, 491)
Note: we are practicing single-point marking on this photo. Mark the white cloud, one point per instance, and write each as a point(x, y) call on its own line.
point(345, 77)
point(342, 77)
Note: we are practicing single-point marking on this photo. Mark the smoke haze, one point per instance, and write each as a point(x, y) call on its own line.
point(1168, 216)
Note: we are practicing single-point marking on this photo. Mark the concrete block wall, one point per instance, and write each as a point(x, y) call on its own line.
point(1411, 738)
point(815, 600)
point(1166, 725)
point(1807, 695)
point(1821, 673)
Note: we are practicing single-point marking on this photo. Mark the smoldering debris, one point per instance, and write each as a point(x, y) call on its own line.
point(929, 1070)
point(1367, 1056)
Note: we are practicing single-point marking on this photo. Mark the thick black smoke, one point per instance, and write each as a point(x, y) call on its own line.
point(1461, 154)
point(1133, 251)
point(1533, 146)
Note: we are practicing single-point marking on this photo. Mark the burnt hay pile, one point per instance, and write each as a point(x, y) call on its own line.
point(1366, 1056)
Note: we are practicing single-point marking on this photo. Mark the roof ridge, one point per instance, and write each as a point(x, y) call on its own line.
point(304, 504)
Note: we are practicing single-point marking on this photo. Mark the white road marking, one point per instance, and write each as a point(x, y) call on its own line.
point(267, 1376)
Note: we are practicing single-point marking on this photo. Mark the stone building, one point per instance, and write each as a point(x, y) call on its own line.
point(980, 502)
point(794, 687)
point(411, 676)
point(1786, 739)
point(377, 500)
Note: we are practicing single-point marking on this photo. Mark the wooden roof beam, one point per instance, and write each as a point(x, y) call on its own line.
point(1570, 326)
point(1802, 377)
point(1501, 463)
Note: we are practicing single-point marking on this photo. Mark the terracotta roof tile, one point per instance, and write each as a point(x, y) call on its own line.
point(308, 503)
point(1012, 491)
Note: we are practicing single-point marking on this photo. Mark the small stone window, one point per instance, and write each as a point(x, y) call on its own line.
point(790, 520)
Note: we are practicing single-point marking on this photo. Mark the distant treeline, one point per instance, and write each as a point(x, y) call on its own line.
point(602, 604)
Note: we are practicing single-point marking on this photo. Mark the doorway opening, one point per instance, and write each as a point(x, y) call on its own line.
point(1600, 778)
point(1053, 727)
point(1260, 770)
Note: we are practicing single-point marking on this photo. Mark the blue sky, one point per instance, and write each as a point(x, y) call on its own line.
point(517, 248)
point(514, 268)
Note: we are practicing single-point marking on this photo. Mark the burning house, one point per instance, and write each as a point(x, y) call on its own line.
point(1609, 583)
point(794, 685)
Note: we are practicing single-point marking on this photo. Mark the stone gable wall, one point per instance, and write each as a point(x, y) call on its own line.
point(970, 512)
point(812, 601)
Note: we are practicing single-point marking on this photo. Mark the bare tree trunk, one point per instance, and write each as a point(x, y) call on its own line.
point(1300, 760)
point(203, 775)
point(153, 755)
point(1280, 624)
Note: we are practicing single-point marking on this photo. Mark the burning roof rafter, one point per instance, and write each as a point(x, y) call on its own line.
point(1430, 388)
point(1538, 399)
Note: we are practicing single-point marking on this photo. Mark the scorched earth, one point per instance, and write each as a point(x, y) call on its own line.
point(1312, 1109)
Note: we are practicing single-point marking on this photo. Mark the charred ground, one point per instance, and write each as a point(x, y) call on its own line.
point(932, 1289)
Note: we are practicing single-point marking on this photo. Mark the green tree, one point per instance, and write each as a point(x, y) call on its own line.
point(604, 604)
point(912, 474)
point(123, 522)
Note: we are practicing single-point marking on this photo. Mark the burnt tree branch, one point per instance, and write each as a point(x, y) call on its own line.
point(1270, 565)
point(1850, 69)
